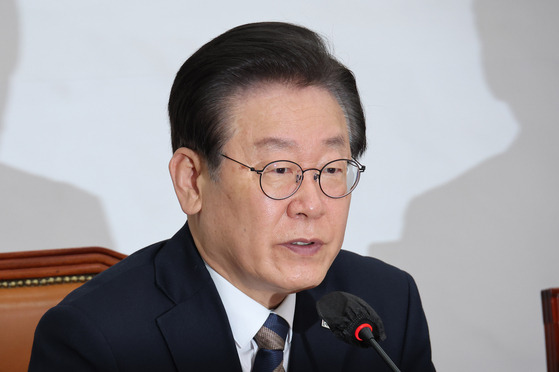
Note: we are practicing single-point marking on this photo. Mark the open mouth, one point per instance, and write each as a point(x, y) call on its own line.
point(302, 243)
point(304, 247)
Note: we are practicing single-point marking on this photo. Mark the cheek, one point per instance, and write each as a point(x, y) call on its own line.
point(338, 212)
point(264, 210)
point(255, 219)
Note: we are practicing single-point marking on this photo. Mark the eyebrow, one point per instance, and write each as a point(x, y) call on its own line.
point(276, 143)
point(336, 142)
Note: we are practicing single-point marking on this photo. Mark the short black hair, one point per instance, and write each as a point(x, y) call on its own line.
point(247, 55)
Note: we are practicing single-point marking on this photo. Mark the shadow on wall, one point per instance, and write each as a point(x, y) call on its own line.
point(35, 212)
point(483, 245)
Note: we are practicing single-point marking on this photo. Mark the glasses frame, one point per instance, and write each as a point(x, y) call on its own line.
point(360, 169)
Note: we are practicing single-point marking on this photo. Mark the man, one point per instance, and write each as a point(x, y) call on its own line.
point(266, 127)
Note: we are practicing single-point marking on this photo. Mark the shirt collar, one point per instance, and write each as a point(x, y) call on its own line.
point(245, 315)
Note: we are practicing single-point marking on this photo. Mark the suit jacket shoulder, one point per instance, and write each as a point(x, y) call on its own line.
point(157, 310)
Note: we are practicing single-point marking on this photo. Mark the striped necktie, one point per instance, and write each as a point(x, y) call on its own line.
point(270, 340)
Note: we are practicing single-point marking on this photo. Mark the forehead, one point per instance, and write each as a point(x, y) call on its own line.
point(278, 117)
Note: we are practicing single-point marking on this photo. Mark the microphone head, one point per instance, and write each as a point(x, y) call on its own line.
point(345, 313)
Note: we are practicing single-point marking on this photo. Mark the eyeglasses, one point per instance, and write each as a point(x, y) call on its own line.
point(282, 178)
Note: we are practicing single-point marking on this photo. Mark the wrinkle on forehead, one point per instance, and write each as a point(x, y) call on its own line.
point(277, 143)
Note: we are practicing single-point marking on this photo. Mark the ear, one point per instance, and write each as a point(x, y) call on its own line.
point(185, 167)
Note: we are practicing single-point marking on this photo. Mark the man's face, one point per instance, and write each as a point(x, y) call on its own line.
point(269, 248)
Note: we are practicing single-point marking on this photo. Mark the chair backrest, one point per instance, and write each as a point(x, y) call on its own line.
point(550, 305)
point(32, 282)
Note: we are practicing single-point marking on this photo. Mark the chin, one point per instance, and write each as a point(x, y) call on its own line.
point(299, 284)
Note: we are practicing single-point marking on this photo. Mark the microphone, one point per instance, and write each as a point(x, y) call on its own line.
point(352, 320)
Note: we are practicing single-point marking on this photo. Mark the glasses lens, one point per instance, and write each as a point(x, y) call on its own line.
point(339, 178)
point(280, 179)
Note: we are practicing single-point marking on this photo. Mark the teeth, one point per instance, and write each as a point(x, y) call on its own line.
point(301, 243)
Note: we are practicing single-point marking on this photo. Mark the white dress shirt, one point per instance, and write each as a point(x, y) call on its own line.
point(246, 316)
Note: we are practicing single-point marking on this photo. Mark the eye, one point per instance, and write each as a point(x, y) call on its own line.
point(332, 170)
point(281, 168)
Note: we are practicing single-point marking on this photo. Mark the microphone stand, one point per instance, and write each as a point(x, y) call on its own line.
point(368, 335)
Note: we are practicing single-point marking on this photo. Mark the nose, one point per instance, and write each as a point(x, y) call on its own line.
point(309, 200)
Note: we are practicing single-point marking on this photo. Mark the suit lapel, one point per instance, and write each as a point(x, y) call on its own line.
point(313, 348)
point(196, 329)
point(199, 340)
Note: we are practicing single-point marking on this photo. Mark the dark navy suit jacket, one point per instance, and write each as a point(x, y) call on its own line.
point(158, 310)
